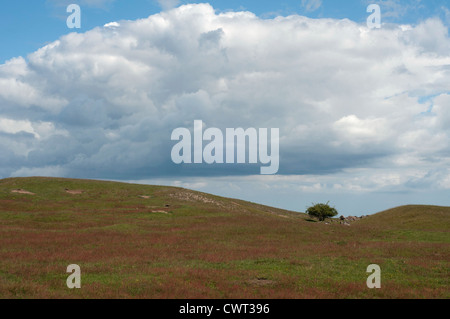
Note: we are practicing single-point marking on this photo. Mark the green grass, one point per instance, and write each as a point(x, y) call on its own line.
point(176, 243)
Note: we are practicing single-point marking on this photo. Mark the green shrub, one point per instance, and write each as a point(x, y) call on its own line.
point(321, 211)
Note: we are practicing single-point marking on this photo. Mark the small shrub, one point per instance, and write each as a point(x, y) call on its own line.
point(321, 211)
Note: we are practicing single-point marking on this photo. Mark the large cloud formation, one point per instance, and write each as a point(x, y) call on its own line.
point(103, 104)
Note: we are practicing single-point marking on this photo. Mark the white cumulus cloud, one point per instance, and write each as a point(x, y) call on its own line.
point(344, 97)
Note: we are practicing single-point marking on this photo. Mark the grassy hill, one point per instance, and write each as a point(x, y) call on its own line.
point(140, 241)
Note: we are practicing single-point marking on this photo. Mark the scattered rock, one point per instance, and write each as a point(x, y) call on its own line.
point(197, 197)
point(347, 220)
point(193, 197)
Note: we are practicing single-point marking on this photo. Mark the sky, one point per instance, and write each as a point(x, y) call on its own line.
point(363, 113)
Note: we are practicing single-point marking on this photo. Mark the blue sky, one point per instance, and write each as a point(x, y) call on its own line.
point(28, 25)
point(363, 114)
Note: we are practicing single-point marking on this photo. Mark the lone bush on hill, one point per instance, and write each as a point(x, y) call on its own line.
point(321, 211)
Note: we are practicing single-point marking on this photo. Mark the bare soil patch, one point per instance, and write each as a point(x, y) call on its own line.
point(22, 191)
point(261, 282)
point(159, 212)
point(74, 192)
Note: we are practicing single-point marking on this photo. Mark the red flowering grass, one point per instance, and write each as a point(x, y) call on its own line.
point(203, 246)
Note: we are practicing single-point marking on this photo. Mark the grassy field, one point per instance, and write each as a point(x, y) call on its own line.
point(138, 241)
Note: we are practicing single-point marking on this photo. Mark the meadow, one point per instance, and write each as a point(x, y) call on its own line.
point(141, 241)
